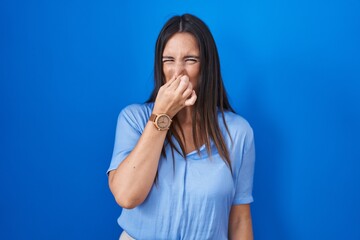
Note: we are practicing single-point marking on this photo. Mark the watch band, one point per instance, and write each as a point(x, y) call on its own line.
point(153, 117)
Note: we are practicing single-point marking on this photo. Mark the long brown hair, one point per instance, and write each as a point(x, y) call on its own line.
point(211, 94)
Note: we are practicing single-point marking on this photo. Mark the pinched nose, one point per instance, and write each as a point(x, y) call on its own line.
point(179, 69)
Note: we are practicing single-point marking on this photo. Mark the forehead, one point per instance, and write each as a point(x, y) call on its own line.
point(181, 44)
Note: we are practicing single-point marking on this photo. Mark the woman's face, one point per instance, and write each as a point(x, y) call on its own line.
point(181, 56)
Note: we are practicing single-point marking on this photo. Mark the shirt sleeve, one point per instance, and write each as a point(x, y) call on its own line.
point(245, 172)
point(128, 132)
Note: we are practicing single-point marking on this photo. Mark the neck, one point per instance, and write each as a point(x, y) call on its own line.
point(185, 115)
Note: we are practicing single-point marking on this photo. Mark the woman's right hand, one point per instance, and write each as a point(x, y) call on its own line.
point(174, 95)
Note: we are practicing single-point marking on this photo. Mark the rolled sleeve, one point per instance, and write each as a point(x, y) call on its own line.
point(128, 132)
point(245, 172)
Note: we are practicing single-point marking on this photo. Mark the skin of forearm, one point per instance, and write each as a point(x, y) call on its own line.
point(131, 182)
point(242, 231)
point(240, 223)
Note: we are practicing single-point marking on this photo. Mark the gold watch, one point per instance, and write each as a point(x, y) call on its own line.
point(161, 121)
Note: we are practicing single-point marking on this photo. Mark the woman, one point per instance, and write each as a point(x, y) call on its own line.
point(183, 162)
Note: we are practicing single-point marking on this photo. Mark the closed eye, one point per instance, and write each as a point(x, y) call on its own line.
point(191, 60)
point(167, 59)
point(187, 60)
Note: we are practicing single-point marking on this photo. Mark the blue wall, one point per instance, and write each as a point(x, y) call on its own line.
point(292, 68)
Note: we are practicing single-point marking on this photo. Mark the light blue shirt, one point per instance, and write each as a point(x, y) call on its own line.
point(194, 201)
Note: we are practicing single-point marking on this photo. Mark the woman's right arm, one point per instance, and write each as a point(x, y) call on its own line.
point(131, 182)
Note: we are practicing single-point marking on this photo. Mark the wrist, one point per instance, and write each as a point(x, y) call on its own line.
point(159, 111)
point(161, 121)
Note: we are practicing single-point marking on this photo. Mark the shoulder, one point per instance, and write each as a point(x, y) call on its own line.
point(238, 127)
point(136, 114)
point(235, 122)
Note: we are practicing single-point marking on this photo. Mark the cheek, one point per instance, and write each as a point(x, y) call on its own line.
point(168, 72)
point(194, 74)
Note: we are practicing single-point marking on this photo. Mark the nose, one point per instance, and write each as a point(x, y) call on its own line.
point(179, 69)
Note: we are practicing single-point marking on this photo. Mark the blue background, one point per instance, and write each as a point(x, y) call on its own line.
point(291, 68)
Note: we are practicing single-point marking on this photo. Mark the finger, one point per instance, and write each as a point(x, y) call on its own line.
point(191, 100)
point(168, 83)
point(188, 91)
point(175, 82)
point(183, 84)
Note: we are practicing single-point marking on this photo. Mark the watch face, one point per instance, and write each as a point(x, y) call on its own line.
point(163, 121)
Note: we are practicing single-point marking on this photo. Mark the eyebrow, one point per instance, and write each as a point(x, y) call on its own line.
point(188, 56)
